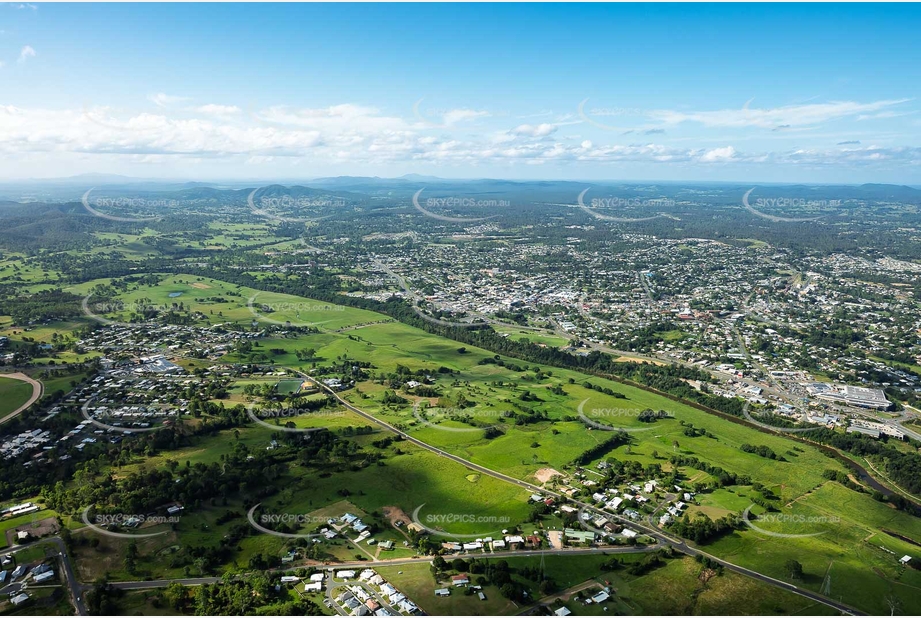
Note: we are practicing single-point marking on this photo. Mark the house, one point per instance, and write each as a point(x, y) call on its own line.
point(601, 597)
point(481, 595)
point(443, 592)
point(290, 579)
point(19, 599)
point(407, 607)
point(313, 587)
point(19, 572)
point(42, 568)
point(580, 536)
point(905, 559)
point(394, 599)
point(346, 574)
point(43, 577)
point(563, 611)
point(460, 580)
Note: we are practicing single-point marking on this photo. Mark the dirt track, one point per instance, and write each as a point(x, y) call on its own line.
point(37, 390)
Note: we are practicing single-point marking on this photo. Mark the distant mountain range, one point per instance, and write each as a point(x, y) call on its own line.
point(72, 188)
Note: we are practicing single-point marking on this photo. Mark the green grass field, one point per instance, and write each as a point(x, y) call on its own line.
point(418, 583)
point(679, 588)
point(13, 393)
point(14, 522)
point(415, 479)
point(241, 305)
point(540, 337)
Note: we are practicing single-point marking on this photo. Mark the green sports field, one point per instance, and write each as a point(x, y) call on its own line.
point(13, 393)
point(221, 302)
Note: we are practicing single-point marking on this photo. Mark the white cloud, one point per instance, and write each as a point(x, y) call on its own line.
point(356, 135)
point(162, 100)
point(770, 118)
point(886, 114)
point(25, 53)
point(542, 114)
point(719, 154)
point(213, 109)
point(455, 116)
point(541, 130)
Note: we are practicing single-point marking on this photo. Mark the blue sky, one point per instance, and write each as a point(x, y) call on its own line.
point(797, 93)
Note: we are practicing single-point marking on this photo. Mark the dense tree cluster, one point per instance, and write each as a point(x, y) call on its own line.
point(602, 448)
point(761, 451)
point(47, 305)
point(723, 478)
point(903, 467)
point(701, 529)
